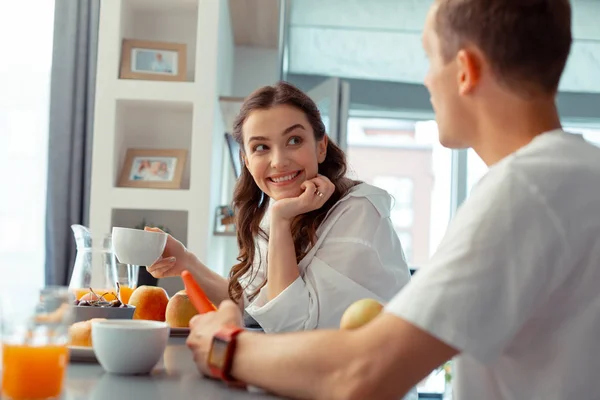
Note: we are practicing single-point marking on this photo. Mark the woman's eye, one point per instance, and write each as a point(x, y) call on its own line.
point(295, 140)
point(260, 147)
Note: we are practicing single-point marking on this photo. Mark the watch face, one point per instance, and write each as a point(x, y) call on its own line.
point(218, 353)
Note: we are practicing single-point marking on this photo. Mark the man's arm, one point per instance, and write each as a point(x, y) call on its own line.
point(382, 360)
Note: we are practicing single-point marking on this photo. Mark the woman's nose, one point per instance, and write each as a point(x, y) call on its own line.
point(279, 160)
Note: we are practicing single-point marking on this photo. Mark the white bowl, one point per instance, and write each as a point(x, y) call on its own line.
point(138, 247)
point(129, 346)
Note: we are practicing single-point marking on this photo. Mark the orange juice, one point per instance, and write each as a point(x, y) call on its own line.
point(125, 292)
point(79, 293)
point(33, 372)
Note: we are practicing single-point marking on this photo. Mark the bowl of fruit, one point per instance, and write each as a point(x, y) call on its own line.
point(102, 304)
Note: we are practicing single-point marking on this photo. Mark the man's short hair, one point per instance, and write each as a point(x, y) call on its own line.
point(526, 42)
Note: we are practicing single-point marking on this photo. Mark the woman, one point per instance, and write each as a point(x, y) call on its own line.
point(311, 241)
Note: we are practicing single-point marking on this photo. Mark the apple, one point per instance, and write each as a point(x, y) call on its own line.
point(150, 303)
point(360, 313)
point(180, 310)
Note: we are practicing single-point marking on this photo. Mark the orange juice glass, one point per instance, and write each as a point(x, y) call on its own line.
point(126, 275)
point(33, 372)
point(34, 336)
point(79, 293)
point(125, 292)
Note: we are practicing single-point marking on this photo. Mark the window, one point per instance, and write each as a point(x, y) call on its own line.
point(402, 213)
point(24, 106)
point(401, 190)
point(404, 157)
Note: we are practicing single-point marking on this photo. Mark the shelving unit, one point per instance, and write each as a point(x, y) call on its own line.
point(165, 115)
point(155, 91)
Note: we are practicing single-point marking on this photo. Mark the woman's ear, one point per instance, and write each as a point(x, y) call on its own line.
point(322, 149)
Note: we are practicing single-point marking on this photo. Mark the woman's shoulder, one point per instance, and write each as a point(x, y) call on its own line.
point(364, 195)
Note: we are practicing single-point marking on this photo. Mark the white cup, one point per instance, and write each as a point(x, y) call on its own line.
point(129, 346)
point(138, 247)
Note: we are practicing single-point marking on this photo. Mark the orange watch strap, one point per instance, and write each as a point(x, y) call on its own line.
point(226, 336)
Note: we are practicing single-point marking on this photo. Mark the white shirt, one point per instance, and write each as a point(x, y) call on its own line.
point(357, 255)
point(515, 283)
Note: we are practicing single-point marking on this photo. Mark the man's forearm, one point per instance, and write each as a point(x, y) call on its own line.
point(305, 365)
point(382, 360)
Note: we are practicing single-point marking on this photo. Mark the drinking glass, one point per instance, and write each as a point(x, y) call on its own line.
point(34, 335)
point(126, 275)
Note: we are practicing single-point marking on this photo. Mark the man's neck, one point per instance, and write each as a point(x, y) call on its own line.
point(506, 128)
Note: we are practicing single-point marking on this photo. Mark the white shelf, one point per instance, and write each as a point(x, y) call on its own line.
point(161, 5)
point(130, 89)
point(173, 21)
point(151, 199)
point(140, 114)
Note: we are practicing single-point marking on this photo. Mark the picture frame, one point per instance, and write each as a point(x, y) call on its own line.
point(149, 60)
point(224, 221)
point(153, 168)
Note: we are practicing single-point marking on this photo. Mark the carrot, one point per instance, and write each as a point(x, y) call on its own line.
point(196, 294)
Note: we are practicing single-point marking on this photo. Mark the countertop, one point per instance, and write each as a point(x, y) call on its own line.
point(175, 377)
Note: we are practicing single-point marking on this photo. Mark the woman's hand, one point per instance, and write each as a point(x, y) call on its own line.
point(316, 192)
point(204, 326)
point(174, 258)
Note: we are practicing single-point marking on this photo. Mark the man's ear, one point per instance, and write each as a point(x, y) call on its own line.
point(469, 70)
point(322, 149)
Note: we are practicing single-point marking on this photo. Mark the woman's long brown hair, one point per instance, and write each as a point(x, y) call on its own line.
point(250, 203)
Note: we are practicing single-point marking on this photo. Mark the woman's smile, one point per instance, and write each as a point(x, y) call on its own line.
point(284, 179)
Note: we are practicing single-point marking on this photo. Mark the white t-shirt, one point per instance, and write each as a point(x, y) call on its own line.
point(357, 255)
point(515, 283)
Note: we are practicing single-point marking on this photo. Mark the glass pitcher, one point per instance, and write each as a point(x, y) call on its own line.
point(95, 265)
point(98, 270)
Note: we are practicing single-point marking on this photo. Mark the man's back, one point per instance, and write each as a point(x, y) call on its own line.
point(518, 277)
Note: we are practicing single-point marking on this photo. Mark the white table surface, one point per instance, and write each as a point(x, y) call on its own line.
point(175, 377)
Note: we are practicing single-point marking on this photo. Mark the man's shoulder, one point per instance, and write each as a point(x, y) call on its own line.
point(547, 167)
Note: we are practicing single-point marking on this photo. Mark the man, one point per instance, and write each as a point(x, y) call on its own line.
point(513, 290)
point(159, 64)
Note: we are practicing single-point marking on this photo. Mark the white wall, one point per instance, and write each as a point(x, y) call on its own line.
point(226, 52)
point(254, 67)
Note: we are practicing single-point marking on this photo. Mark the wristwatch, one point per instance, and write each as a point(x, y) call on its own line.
point(220, 356)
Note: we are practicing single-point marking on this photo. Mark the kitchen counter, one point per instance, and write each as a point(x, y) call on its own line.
point(175, 377)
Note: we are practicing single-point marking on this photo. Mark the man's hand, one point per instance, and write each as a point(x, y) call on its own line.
point(204, 326)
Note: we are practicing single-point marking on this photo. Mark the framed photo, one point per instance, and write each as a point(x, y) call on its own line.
point(141, 59)
point(153, 168)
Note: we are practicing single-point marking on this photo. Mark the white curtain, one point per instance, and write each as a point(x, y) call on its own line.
point(25, 63)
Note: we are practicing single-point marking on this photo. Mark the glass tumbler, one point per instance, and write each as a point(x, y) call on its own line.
point(34, 334)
